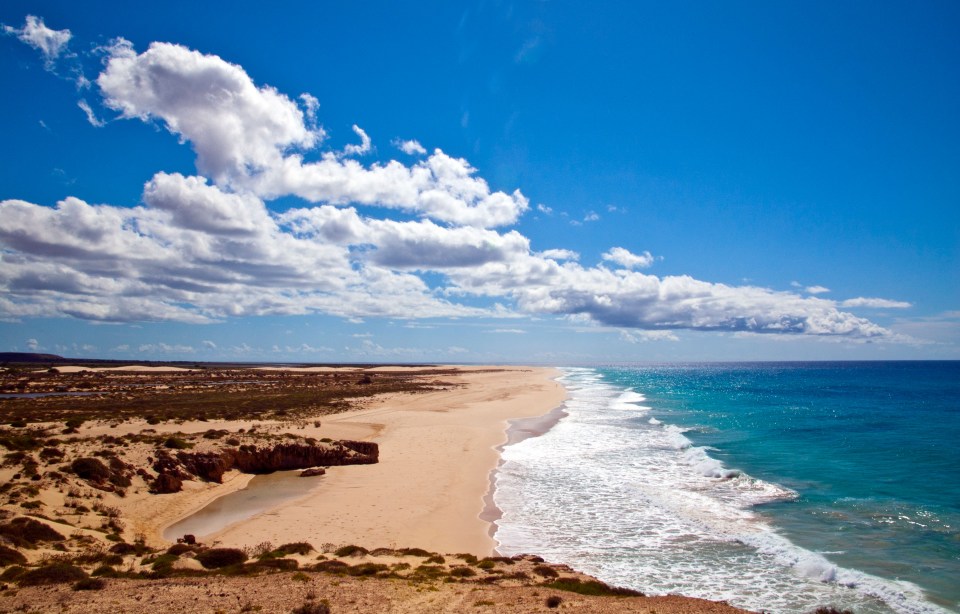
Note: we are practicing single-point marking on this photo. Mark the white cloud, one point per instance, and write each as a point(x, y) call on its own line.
point(209, 345)
point(207, 248)
point(363, 148)
point(509, 331)
point(235, 127)
point(411, 148)
point(165, 348)
point(91, 117)
point(646, 336)
point(625, 258)
point(875, 303)
point(542, 208)
point(247, 138)
point(50, 43)
point(591, 217)
point(33, 345)
point(560, 254)
point(817, 290)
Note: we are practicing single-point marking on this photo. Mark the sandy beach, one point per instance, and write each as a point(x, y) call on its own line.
point(436, 453)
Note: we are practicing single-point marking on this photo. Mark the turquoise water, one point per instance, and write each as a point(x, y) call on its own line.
point(777, 486)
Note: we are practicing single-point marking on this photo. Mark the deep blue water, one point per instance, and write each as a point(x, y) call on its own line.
point(791, 483)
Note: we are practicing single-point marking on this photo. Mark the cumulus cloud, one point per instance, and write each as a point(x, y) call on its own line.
point(627, 259)
point(205, 248)
point(50, 43)
point(411, 148)
point(364, 146)
point(875, 303)
point(817, 290)
point(560, 254)
point(250, 138)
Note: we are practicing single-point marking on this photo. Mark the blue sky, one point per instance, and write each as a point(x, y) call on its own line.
point(481, 182)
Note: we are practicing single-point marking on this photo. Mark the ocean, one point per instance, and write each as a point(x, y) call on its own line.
point(779, 487)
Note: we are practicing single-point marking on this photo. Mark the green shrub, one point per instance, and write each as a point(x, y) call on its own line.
point(334, 567)
point(592, 587)
point(436, 559)
point(9, 556)
point(27, 532)
point(462, 572)
point(89, 584)
point(106, 571)
point(176, 443)
point(51, 454)
point(366, 569)
point(55, 573)
point(295, 548)
point(351, 551)
point(90, 469)
point(554, 601)
point(12, 573)
point(469, 558)
point(485, 564)
point(215, 558)
point(312, 607)
point(279, 564)
point(178, 549)
point(546, 571)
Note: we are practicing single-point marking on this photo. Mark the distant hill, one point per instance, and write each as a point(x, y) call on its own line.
point(29, 357)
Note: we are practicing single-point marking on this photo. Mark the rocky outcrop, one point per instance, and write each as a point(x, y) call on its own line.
point(211, 466)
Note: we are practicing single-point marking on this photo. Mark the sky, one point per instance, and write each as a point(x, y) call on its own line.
point(501, 182)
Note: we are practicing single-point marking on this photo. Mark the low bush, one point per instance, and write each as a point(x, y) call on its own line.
point(462, 572)
point(351, 550)
point(366, 569)
point(178, 549)
point(90, 469)
point(546, 571)
point(12, 573)
point(215, 558)
point(279, 564)
point(592, 587)
point(295, 548)
point(55, 573)
point(89, 584)
point(335, 567)
point(554, 601)
point(9, 556)
point(176, 443)
point(27, 532)
point(312, 607)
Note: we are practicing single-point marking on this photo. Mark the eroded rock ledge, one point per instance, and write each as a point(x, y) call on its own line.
point(172, 468)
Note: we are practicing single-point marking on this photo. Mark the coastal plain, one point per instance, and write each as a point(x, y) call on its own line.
point(398, 522)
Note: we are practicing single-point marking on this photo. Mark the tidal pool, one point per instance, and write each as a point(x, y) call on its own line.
point(261, 494)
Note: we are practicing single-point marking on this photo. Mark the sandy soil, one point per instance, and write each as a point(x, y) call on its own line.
point(437, 450)
point(284, 592)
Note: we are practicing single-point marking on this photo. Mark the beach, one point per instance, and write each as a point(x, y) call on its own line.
point(437, 450)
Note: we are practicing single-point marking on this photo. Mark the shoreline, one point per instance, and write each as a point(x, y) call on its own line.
point(518, 430)
point(430, 489)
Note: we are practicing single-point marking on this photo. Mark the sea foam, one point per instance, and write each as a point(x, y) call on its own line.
point(629, 498)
